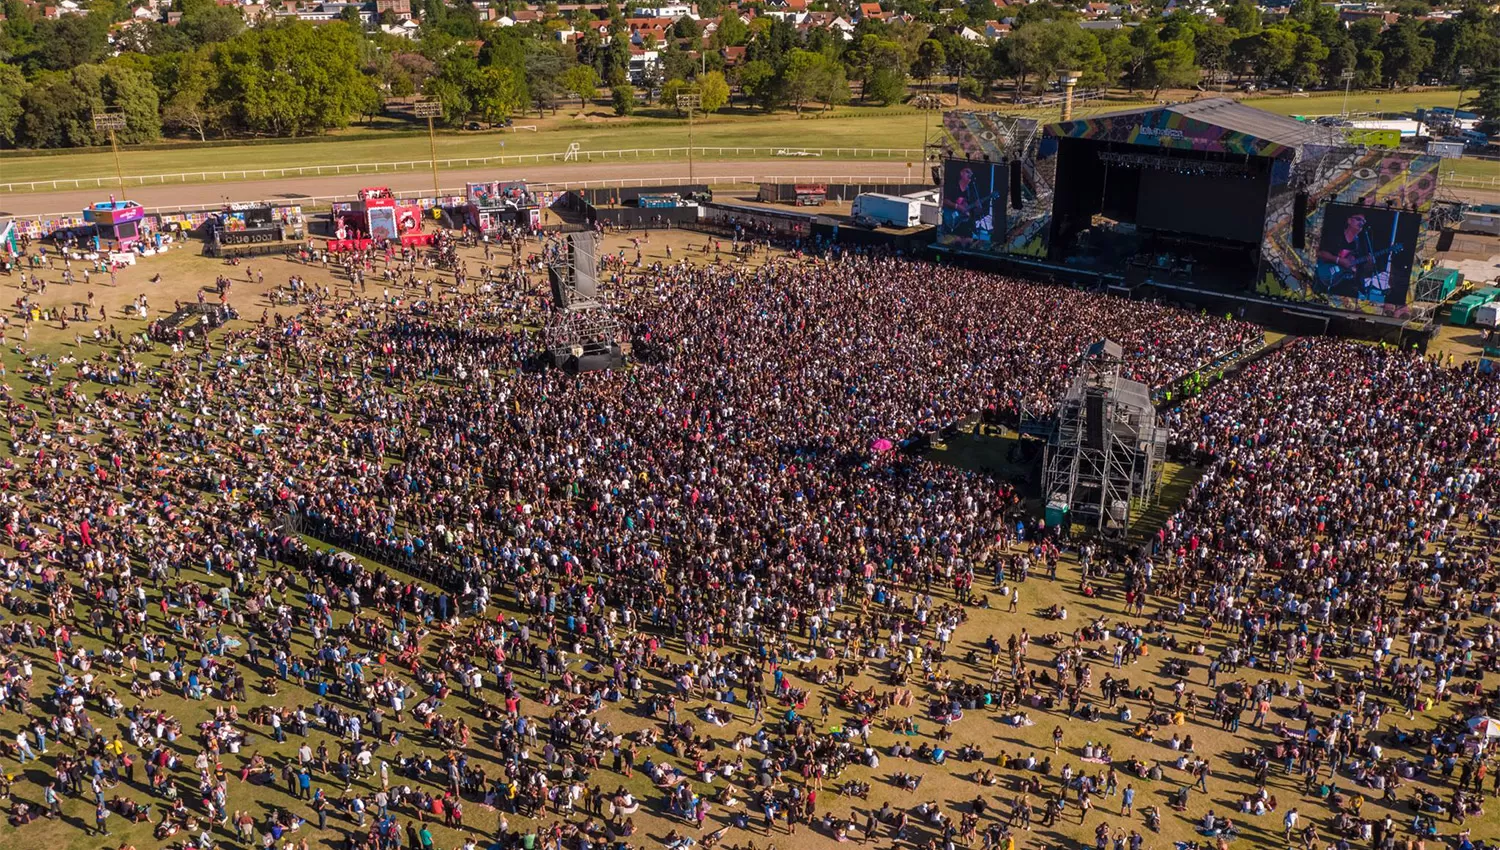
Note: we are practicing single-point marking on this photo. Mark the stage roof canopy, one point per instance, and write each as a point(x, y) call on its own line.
point(1215, 124)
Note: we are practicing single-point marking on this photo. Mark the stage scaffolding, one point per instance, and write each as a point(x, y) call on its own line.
point(1105, 451)
point(582, 333)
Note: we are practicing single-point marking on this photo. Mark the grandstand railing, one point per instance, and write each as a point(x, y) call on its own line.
point(1471, 181)
point(316, 202)
point(1467, 181)
point(559, 157)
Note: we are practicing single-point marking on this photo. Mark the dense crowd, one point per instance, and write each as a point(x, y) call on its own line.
point(729, 524)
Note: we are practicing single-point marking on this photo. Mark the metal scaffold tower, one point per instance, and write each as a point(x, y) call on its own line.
point(1105, 451)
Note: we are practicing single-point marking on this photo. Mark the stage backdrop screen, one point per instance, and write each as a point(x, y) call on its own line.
point(1366, 253)
point(1203, 205)
point(383, 223)
point(973, 197)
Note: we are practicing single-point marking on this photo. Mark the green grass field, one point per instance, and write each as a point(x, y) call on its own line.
point(846, 127)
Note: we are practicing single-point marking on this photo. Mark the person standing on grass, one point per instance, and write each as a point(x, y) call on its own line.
point(53, 801)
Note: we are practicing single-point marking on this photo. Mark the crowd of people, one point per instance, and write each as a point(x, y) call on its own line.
point(727, 533)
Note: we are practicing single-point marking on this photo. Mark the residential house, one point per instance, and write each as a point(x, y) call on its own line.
point(400, 8)
point(405, 29)
point(732, 56)
point(673, 11)
point(643, 63)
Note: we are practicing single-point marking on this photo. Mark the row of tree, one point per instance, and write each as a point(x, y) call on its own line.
point(210, 76)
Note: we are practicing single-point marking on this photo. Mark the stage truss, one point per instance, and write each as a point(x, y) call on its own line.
point(582, 329)
point(584, 325)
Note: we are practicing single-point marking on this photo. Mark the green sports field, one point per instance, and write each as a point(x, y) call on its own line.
point(894, 133)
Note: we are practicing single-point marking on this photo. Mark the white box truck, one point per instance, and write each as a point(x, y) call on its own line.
point(1488, 315)
point(872, 209)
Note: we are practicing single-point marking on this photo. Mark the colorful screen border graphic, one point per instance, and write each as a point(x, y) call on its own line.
point(987, 135)
point(1401, 179)
point(1163, 128)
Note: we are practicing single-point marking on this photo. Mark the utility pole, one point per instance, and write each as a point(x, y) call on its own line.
point(1464, 72)
point(110, 122)
point(430, 108)
point(690, 102)
point(926, 133)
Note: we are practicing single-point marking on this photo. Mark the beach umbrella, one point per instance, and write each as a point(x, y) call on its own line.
point(1484, 728)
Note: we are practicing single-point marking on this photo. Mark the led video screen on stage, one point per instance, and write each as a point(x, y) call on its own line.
point(383, 223)
point(973, 198)
point(1205, 205)
point(1366, 253)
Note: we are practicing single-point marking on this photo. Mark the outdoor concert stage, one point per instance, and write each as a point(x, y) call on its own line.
point(1210, 201)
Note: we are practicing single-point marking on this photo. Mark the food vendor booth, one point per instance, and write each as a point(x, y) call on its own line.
point(117, 224)
point(500, 202)
point(376, 218)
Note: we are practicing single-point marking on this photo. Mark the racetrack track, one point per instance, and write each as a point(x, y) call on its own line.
point(292, 188)
point(72, 201)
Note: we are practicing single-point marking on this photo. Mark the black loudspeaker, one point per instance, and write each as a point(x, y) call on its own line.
point(1094, 421)
point(1015, 184)
point(585, 263)
point(1299, 220)
point(1445, 240)
point(559, 289)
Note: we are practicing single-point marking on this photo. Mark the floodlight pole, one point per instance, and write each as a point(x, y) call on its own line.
point(431, 108)
point(1347, 77)
point(109, 122)
point(690, 102)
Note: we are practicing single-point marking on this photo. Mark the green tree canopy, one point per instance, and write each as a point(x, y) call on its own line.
point(761, 84)
point(293, 79)
point(497, 93)
point(623, 98)
point(713, 90)
point(13, 88)
point(582, 82)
